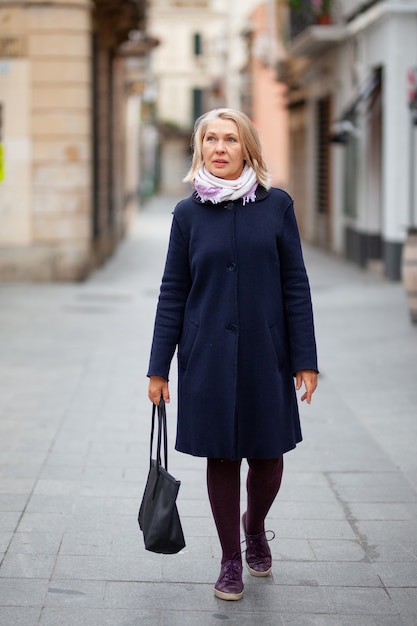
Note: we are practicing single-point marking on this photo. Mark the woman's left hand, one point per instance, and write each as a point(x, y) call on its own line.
point(309, 378)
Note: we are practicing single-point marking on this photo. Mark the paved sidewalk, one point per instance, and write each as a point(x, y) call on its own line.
point(74, 430)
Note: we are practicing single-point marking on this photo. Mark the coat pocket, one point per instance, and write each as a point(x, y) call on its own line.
point(277, 343)
point(186, 343)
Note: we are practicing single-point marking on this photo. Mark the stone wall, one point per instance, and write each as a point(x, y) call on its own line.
point(63, 108)
point(45, 196)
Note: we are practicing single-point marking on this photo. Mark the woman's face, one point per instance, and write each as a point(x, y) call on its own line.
point(222, 150)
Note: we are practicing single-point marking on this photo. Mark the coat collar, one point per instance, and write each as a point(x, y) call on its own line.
point(261, 193)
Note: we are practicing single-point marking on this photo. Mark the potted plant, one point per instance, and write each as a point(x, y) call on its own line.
point(320, 8)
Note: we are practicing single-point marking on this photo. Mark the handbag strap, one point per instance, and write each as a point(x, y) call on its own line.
point(162, 437)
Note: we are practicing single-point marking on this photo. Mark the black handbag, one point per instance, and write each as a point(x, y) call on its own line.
point(158, 514)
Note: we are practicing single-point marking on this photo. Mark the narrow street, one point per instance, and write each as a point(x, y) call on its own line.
point(74, 454)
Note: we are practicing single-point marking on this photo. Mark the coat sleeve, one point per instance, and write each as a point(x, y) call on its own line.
point(297, 297)
point(175, 287)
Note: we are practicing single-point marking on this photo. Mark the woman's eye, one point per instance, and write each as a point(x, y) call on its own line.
point(232, 139)
point(209, 138)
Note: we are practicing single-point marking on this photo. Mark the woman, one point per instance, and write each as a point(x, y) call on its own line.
point(235, 299)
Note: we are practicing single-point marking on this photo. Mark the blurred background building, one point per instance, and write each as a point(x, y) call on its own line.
point(349, 73)
point(70, 115)
point(98, 102)
point(215, 54)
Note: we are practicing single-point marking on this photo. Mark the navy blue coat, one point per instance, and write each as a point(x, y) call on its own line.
point(235, 299)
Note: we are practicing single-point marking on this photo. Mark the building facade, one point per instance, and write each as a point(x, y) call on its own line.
point(264, 98)
point(351, 133)
point(201, 63)
point(63, 99)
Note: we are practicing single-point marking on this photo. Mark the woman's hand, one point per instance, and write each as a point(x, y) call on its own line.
point(158, 387)
point(309, 378)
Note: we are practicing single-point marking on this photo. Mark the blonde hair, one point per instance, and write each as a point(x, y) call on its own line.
point(248, 135)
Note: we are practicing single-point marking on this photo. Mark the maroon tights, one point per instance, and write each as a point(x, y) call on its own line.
point(223, 483)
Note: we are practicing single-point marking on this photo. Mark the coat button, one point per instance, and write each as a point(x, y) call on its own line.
point(233, 328)
point(230, 206)
point(232, 267)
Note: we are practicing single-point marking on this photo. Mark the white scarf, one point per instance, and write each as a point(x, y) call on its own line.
point(214, 189)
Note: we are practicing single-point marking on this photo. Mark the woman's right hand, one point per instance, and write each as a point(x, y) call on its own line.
point(158, 387)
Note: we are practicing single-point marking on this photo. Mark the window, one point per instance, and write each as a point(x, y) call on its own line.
point(197, 103)
point(198, 46)
point(322, 158)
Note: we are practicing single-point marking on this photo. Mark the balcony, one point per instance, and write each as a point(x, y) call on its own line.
point(301, 18)
point(311, 34)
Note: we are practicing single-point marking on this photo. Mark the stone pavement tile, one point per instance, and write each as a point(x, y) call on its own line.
point(327, 574)
point(9, 520)
point(292, 550)
point(194, 569)
point(260, 597)
point(55, 488)
point(23, 591)
point(70, 458)
point(386, 487)
point(46, 543)
point(411, 474)
point(5, 539)
point(50, 504)
point(75, 593)
point(16, 486)
point(198, 562)
point(193, 508)
point(335, 550)
point(214, 618)
point(406, 600)
point(98, 473)
point(19, 467)
point(293, 476)
point(55, 522)
point(408, 620)
point(314, 529)
point(19, 616)
point(10, 502)
point(390, 397)
point(328, 456)
point(75, 445)
point(98, 617)
point(382, 511)
point(90, 518)
point(109, 488)
point(85, 506)
point(198, 526)
point(136, 567)
point(17, 565)
point(87, 543)
point(389, 479)
point(49, 471)
point(392, 551)
point(379, 532)
point(283, 509)
point(363, 601)
point(306, 493)
point(397, 574)
point(343, 620)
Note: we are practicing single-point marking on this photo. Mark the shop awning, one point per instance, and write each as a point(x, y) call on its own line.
point(344, 126)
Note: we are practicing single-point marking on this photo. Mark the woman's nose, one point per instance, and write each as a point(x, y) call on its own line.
point(220, 146)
